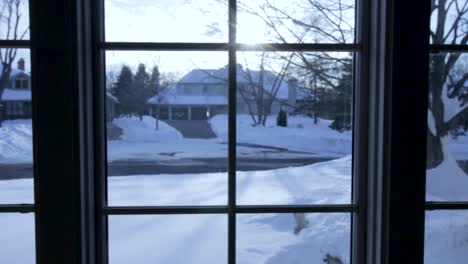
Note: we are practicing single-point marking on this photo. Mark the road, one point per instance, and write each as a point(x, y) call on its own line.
point(125, 168)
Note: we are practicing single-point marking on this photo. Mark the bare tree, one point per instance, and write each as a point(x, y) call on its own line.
point(446, 84)
point(257, 93)
point(10, 20)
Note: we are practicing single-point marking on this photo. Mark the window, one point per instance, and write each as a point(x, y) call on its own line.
point(21, 84)
point(223, 185)
point(17, 212)
point(294, 175)
point(447, 137)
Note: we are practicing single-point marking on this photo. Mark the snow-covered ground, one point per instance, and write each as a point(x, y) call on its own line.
point(140, 140)
point(320, 138)
point(265, 238)
point(261, 238)
point(16, 141)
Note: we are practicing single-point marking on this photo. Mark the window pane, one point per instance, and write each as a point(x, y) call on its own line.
point(14, 13)
point(447, 152)
point(296, 21)
point(293, 238)
point(166, 21)
point(168, 239)
point(294, 128)
point(17, 238)
point(16, 168)
point(160, 141)
point(449, 22)
point(446, 237)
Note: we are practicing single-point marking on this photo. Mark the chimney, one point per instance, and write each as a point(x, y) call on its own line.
point(21, 65)
point(292, 94)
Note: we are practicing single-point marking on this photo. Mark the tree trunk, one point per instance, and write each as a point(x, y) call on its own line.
point(434, 153)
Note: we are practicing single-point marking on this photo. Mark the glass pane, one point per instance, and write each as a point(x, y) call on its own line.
point(447, 150)
point(446, 237)
point(168, 239)
point(166, 21)
point(293, 238)
point(296, 21)
point(17, 238)
point(160, 141)
point(449, 22)
point(16, 168)
point(14, 19)
point(294, 128)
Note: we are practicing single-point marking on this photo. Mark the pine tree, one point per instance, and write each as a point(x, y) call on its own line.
point(155, 81)
point(122, 90)
point(342, 103)
point(140, 92)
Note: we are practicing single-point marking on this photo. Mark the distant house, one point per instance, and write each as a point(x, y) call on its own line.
point(16, 98)
point(202, 93)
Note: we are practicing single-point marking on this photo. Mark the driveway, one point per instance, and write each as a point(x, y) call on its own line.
point(192, 128)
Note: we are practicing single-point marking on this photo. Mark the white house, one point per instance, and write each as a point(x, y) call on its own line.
point(203, 93)
point(16, 98)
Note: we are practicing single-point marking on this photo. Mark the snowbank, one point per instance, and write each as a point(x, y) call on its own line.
point(135, 129)
point(16, 141)
point(447, 182)
point(261, 238)
point(300, 135)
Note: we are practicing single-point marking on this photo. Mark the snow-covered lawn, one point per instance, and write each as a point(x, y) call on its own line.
point(300, 135)
point(262, 238)
point(265, 238)
point(16, 141)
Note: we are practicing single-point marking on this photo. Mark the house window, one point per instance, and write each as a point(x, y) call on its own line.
point(21, 84)
point(447, 137)
point(245, 177)
point(15, 108)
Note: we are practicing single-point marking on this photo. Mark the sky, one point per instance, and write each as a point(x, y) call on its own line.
point(180, 21)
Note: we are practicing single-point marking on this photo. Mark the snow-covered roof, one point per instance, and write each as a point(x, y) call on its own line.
point(16, 95)
point(219, 76)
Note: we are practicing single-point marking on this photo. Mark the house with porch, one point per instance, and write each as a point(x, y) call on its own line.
point(203, 93)
point(15, 100)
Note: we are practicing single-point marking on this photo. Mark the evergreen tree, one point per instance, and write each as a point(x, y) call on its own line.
point(140, 92)
point(155, 81)
point(342, 103)
point(122, 90)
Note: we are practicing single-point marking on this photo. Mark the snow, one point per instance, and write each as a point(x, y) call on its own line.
point(320, 138)
point(16, 141)
point(447, 182)
point(136, 130)
point(141, 141)
point(431, 122)
point(320, 183)
point(446, 237)
point(262, 238)
point(16, 95)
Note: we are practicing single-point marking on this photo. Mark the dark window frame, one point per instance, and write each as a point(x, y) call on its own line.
point(70, 196)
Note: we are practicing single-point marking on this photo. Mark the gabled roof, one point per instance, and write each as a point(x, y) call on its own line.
point(219, 76)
